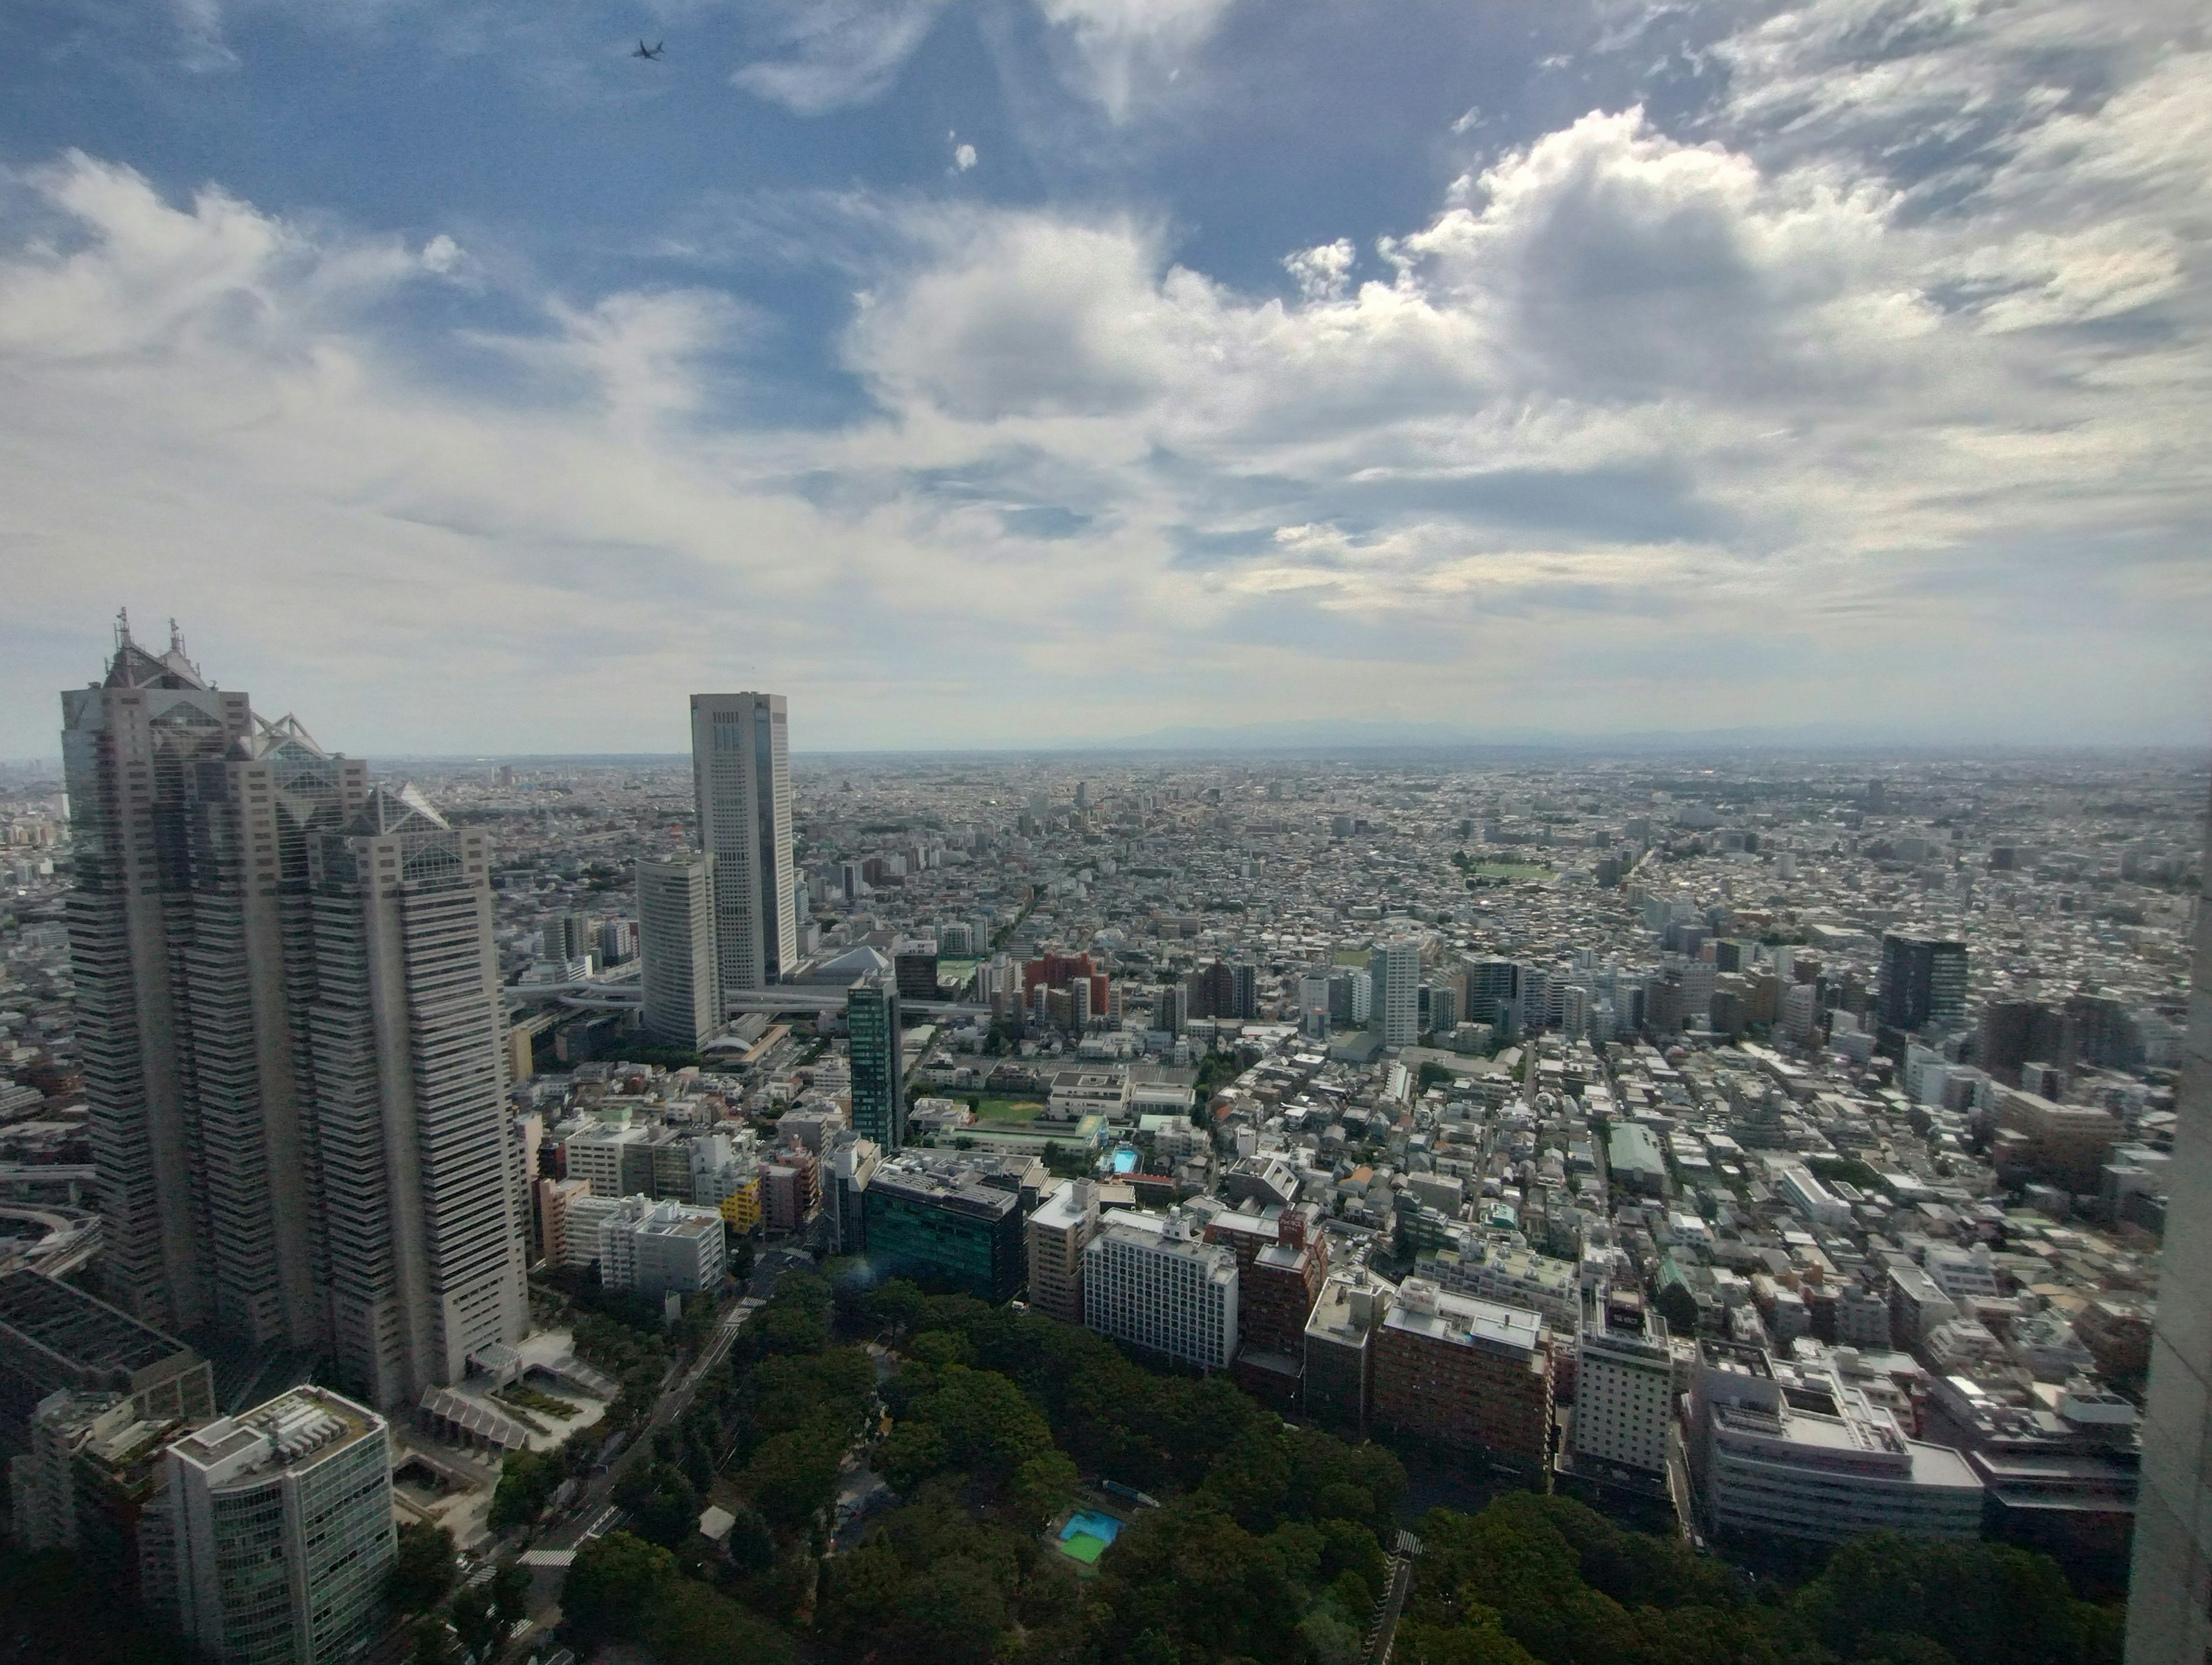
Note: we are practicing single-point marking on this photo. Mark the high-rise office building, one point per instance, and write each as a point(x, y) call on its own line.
point(741, 770)
point(872, 1023)
point(1924, 983)
point(191, 819)
point(294, 1045)
point(1395, 1002)
point(678, 968)
point(2169, 1593)
point(421, 1184)
point(1491, 984)
point(270, 1544)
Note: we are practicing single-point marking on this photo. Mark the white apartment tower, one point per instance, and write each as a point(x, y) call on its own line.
point(271, 1543)
point(741, 770)
point(1150, 1281)
point(679, 965)
point(1395, 969)
point(1624, 1386)
point(293, 1045)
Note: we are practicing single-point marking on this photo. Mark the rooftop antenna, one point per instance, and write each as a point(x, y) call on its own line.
point(176, 640)
point(122, 628)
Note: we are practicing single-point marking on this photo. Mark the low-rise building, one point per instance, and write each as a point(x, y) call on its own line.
point(659, 1248)
point(1781, 1452)
point(945, 1228)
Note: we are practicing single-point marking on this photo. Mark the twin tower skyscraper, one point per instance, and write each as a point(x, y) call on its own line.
point(289, 1017)
point(288, 1010)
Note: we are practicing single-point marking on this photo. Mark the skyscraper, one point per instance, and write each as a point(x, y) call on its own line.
point(421, 1187)
point(2170, 1593)
point(192, 819)
point(290, 1013)
point(678, 967)
point(872, 1022)
point(741, 770)
point(1395, 969)
point(1924, 983)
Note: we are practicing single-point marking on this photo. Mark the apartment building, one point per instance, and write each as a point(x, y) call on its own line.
point(1150, 1280)
point(1469, 1374)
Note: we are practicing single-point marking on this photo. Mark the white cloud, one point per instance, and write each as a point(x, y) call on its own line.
point(1758, 420)
point(1126, 44)
point(964, 158)
point(1321, 271)
point(833, 54)
point(442, 255)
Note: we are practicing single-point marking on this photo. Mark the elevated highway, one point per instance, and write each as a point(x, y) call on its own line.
point(796, 1000)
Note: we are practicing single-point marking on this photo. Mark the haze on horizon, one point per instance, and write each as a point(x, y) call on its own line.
point(1041, 373)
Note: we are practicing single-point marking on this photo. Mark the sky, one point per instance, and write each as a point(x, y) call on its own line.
point(1027, 373)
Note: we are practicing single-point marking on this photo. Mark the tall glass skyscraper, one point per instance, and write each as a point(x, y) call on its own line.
point(741, 770)
point(872, 1018)
point(289, 1007)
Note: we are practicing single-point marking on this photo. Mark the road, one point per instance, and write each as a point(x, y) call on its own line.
point(593, 1513)
point(1383, 1634)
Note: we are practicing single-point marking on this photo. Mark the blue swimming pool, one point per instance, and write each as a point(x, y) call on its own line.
point(1125, 1162)
point(1089, 1523)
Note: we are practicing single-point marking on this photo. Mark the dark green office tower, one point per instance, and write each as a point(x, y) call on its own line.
point(871, 1019)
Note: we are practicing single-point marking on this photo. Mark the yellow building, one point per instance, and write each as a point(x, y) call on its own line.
point(741, 1209)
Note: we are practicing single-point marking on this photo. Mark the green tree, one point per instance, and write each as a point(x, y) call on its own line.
point(477, 1625)
point(793, 1476)
point(612, 1586)
point(693, 1624)
point(526, 1480)
point(662, 1505)
point(423, 1568)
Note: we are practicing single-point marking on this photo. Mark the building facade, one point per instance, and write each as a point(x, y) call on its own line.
point(1624, 1387)
point(944, 1230)
point(1809, 1457)
point(1057, 1234)
point(654, 1248)
point(1394, 969)
point(1148, 1280)
point(278, 1532)
point(422, 1186)
point(741, 771)
point(295, 1046)
point(1469, 1374)
point(679, 971)
point(1922, 982)
point(2170, 1589)
point(877, 1047)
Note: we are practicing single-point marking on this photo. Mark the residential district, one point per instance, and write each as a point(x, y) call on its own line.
point(1763, 1152)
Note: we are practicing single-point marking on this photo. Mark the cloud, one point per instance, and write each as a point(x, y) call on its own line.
point(826, 55)
point(964, 158)
point(834, 54)
point(1320, 271)
point(1747, 413)
point(1126, 43)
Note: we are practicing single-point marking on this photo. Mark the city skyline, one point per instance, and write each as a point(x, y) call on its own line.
point(1071, 372)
